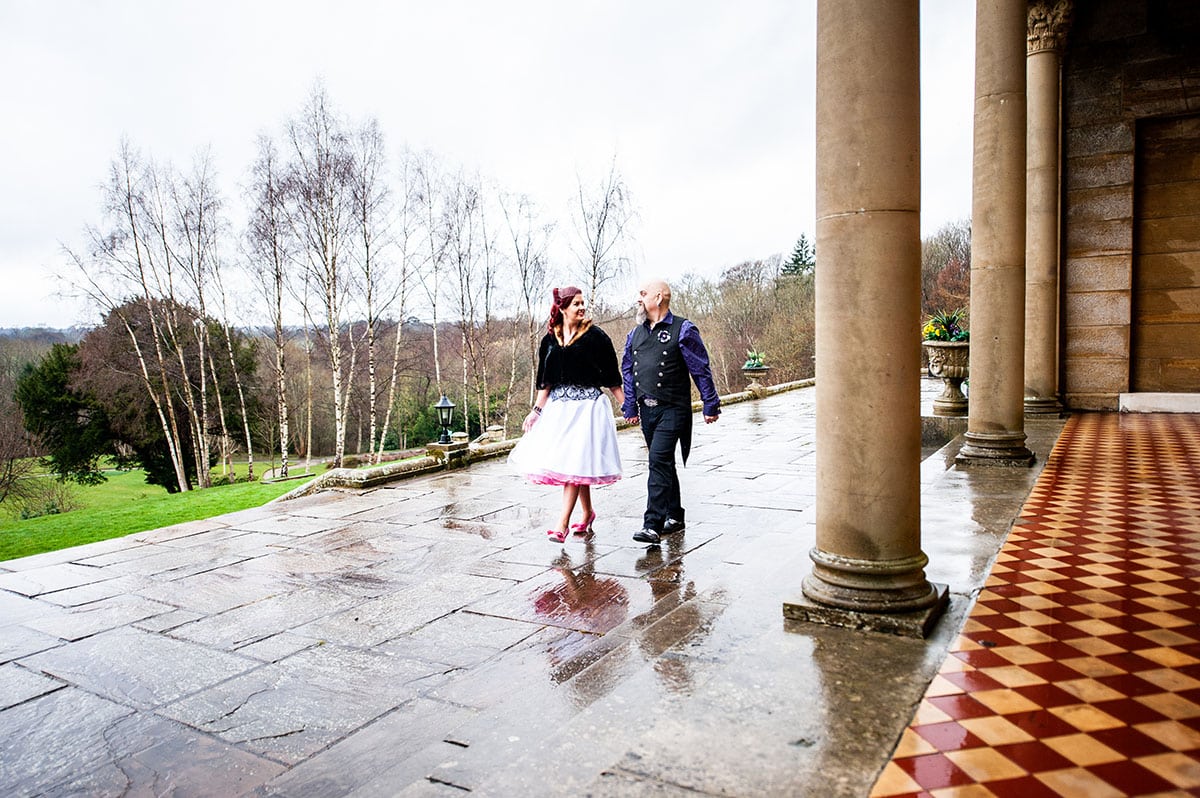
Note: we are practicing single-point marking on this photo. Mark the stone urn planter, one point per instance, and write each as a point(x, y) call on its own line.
point(949, 361)
point(756, 374)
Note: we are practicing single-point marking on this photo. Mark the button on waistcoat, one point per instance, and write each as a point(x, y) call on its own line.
point(658, 366)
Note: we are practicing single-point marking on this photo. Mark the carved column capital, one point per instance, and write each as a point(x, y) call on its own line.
point(1047, 25)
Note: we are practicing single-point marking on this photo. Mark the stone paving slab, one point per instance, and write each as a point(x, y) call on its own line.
point(16, 609)
point(290, 525)
point(155, 756)
point(368, 624)
point(17, 641)
point(97, 591)
point(394, 750)
point(291, 709)
point(215, 591)
point(250, 623)
point(18, 685)
point(180, 532)
point(98, 616)
point(49, 578)
point(56, 739)
point(422, 638)
point(77, 744)
point(163, 670)
point(461, 639)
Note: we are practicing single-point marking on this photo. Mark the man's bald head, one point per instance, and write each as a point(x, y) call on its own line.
point(654, 299)
point(655, 285)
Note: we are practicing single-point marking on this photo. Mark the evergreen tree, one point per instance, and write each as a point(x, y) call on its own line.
point(71, 425)
point(803, 259)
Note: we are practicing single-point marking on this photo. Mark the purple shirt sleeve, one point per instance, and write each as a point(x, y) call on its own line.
point(629, 408)
point(695, 357)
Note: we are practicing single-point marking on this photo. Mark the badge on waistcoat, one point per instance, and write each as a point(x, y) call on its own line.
point(664, 335)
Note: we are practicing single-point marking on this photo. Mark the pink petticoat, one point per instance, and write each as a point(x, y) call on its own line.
point(550, 478)
point(573, 442)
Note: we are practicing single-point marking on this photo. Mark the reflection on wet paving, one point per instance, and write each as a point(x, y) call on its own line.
point(425, 638)
point(572, 653)
point(571, 595)
point(582, 600)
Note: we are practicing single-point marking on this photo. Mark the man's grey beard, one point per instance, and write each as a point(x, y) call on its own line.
point(639, 313)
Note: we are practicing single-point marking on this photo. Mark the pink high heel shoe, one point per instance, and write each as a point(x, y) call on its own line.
point(585, 526)
point(556, 535)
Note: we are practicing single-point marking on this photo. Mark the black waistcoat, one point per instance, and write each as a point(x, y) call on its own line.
point(658, 366)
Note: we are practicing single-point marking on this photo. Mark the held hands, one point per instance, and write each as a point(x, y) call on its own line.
point(707, 419)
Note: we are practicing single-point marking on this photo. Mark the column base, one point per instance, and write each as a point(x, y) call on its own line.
point(1043, 407)
point(917, 623)
point(994, 449)
point(863, 585)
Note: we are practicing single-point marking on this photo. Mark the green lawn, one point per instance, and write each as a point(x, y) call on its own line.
point(125, 504)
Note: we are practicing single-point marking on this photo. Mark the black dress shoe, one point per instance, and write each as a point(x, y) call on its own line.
point(672, 526)
point(646, 536)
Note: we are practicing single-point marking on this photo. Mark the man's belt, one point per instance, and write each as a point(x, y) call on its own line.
point(648, 401)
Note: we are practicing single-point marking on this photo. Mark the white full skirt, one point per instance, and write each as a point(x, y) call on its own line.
point(573, 442)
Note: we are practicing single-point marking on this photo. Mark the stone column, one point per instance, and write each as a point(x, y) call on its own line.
point(868, 556)
point(995, 419)
point(1047, 25)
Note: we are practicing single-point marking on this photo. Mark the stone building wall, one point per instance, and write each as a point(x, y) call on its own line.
point(1125, 60)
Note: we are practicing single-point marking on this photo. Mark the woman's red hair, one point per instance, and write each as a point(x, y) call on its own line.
point(562, 298)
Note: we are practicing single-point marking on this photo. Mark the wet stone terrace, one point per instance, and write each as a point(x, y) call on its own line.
point(424, 638)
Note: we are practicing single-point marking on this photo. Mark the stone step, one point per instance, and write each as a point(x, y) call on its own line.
point(1159, 402)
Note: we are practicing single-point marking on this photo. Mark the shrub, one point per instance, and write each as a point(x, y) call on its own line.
point(50, 497)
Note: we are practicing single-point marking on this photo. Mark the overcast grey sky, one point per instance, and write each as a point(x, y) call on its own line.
point(707, 106)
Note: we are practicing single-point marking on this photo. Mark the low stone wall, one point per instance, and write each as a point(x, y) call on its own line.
point(361, 478)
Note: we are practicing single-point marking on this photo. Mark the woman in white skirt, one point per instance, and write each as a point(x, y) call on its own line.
point(570, 434)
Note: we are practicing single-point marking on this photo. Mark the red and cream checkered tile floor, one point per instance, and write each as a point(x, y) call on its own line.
point(1078, 670)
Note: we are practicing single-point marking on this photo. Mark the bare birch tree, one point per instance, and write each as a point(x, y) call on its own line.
point(121, 264)
point(428, 196)
point(319, 183)
point(227, 330)
point(268, 244)
point(187, 225)
point(602, 217)
point(406, 226)
point(492, 262)
point(370, 197)
point(309, 347)
point(529, 239)
point(462, 226)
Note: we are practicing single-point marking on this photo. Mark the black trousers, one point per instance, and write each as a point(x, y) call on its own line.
point(662, 427)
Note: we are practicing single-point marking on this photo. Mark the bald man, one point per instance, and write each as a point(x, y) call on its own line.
point(661, 353)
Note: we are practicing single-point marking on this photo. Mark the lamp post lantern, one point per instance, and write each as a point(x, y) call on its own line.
point(445, 411)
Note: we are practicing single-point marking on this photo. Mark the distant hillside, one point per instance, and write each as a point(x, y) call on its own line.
point(42, 335)
point(21, 345)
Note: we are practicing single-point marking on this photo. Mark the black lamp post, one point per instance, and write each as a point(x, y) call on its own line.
point(445, 411)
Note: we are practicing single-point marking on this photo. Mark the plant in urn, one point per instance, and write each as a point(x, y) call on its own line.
point(755, 367)
point(947, 347)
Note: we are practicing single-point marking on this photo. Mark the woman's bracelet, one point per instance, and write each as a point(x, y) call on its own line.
point(537, 410)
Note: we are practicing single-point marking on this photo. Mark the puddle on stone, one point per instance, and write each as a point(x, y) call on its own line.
point(590, 602)
point(485, 531)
